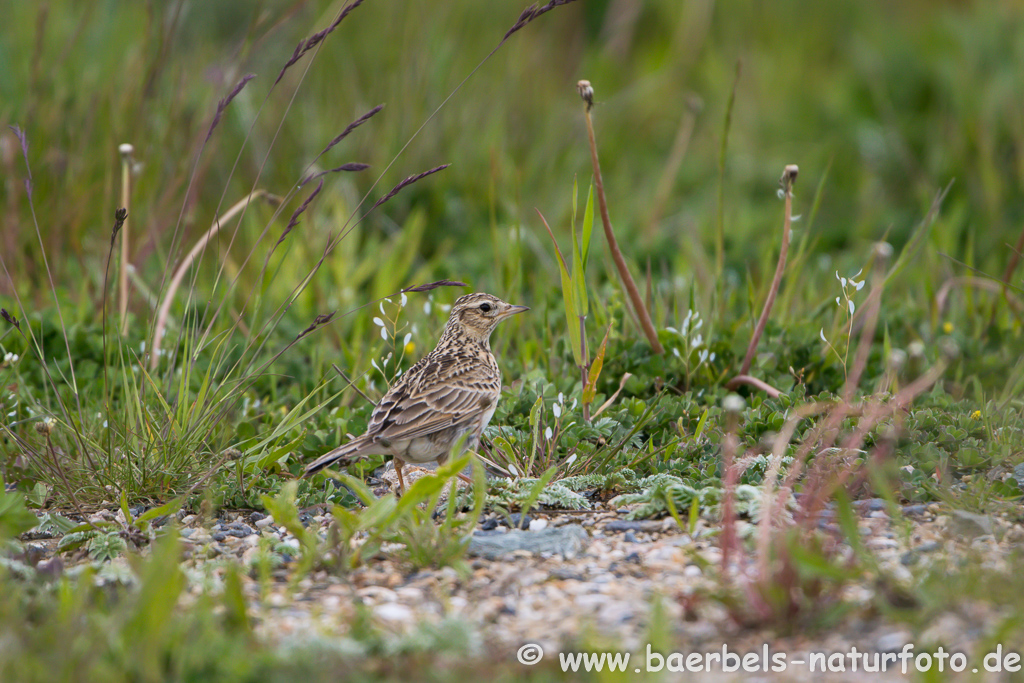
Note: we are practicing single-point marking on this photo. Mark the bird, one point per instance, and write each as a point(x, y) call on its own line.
point(450, 392)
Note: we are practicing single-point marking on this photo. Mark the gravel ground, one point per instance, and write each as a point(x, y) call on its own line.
point(591, 577)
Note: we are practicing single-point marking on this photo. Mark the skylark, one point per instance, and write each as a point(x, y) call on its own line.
point(450, 392)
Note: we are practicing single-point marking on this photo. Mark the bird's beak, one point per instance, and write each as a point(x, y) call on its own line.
point(512, 310)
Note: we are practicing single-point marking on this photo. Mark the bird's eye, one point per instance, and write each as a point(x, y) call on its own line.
point(485, 307)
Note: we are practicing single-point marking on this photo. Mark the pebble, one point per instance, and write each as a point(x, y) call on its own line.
point(893, 641)
point(535, 593)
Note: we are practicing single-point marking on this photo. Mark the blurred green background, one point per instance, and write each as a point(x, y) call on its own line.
point(891, 100)
point(881, 104)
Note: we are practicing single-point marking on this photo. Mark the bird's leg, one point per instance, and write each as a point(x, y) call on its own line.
point(464, 478)
point(398, 471)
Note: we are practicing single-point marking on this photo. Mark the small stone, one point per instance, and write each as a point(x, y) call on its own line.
point(645, 525)
point(870, 505)
point(264, 523)
point(629, 537)
point(219, 536)
point(567, 574)
point(516, 521)
point(893, 642)
point(567, 541)
point(538, 525)
point(969, 524)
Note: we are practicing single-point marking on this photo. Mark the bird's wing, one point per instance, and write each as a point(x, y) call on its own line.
point(436, 393)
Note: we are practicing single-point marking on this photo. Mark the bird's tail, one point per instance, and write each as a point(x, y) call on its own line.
point(352, 449)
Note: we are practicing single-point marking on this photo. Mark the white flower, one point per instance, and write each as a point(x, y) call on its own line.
point(561, 398)
point(378, 322)
point(557, 410)
point(513, 470)
point(407, 339)
point(382, 307)
point(404, 300)
point(570, 460)
point(426, 308)
point(822, 333)
point(384, 334)
point(548, 433)
point(852, 307)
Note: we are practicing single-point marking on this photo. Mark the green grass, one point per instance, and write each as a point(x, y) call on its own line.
point(904, 123)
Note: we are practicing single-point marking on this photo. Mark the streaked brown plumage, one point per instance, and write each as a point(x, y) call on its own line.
point(451, 391)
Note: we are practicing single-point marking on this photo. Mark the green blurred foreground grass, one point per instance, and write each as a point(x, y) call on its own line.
point(904, 121)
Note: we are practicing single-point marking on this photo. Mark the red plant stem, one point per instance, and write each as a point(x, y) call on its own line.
point(620, 263)
point(728, 542)
point(788, 178)
point(754, 382)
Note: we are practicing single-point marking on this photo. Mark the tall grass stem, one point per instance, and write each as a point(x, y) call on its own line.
point(587, 93)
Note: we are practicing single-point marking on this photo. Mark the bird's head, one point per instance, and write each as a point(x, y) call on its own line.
point(476, 315)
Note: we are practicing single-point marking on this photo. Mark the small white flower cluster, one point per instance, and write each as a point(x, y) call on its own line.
point(10, 359)
point(692, 339)
point(13, 398)
point(849, 288)
point(389, 331)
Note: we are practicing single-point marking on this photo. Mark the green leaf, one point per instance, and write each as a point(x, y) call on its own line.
point(125, 510)
point(701, 424)
point(575, 191)
point(535, 491)
point(848, 523)
point(579, 278)
point(235, 613)
point(15, 518)
point(569, 298)
point(75, 539)
point(590, 391)
point(588, 225)
point(165, 509)
point(105, 547)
